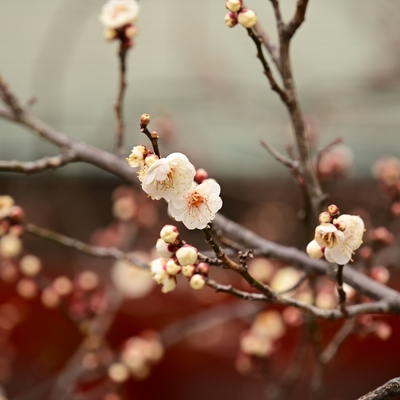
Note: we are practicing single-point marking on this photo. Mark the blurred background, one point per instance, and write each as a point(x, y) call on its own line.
point(208, 98)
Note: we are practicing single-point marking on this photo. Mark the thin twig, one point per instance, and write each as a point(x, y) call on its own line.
point(341, 292)
point(8, 97)
point(287, 162)
point(119, 138)
point(95, 251)
point(153, 137)
point(268, 44)
point(298, 18)
point(267, 70)
point(333, 347)
point(43, 164)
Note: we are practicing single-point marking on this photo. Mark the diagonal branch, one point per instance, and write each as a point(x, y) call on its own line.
point(268, 44)
point(388, 390)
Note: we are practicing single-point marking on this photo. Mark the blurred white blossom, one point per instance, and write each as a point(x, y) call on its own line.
point(117, 13)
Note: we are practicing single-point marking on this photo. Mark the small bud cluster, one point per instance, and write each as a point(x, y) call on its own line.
point(238, 14)
point(337, 236)
point(137, 357)
point(118, 17)
point(177, 257)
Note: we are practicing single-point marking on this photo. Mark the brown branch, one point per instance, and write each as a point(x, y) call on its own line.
point(119, 138)
point(341, 292)
point(268, 44)
point(388, 390)
point(153, 137)
point(267, 70)
point(33, 167)
point(298, 18)
point(8, 97)
point(287, 162)
point(95, 251)
point(263, 247)
point(333, 347)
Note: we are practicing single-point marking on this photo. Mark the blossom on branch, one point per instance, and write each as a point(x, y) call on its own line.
point(338, 239)
point(161, 276)
point(197, 206)
point(168, 177)
point(118, 13)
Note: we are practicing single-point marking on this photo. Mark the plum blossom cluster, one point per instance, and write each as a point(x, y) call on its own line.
point(238, 14)
point(138, 355)
point(177, 258)
point(172, 178)
point(337, 237)
point(118, 17)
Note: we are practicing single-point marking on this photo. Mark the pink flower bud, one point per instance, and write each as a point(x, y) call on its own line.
point(201, 175)
point(144, 119)
point(16, 214)
point(247, 18)
point(324, 218)
point(203, 268)
point(50, 298)
point(130, 31)
point(197, 282)
point(27, 288)
point(187, 255)
point(231, 20)
point(380, 274)
point(169, 233)
point(88, 280)
point(62, 285)
point(234, 5)
point(164, 249)
point(333, 210)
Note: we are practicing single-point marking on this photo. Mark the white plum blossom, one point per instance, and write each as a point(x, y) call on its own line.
point(117, 13)
point(168, 177)
point(197, 206)
point(164, 249)
point(314, 250)
point(136, 158)
point(341, 238)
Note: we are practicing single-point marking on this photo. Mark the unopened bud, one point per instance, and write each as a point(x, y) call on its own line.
point(169, 233)
point(164, 249)
point(203, 268)
point(144, 119)
point(395, 209)
point(247, 18)
point(27, 288)
point(172, 268)
point(151, 159)
point(314, 250)
point(188, 270)
point(333, 210)
point(169, 285)
point(16, 214)
point(62, 285)
point(6, 203)
point(154, 135)
point(10, 246)
point(234, 5)
point(187, 255)
point(380, 274)
point(201, 175)
point(110, 34)
point(383, 331)
point(17, 230)
point(30, 265)
point(131, 31)
point(231, 20)
point(88, 280)
point(324, 218)
point(50, 298)
point(197, 282)
point(118, 372)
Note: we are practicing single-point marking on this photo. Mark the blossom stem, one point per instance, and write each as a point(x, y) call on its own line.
point(153, 137)
point(341, 292)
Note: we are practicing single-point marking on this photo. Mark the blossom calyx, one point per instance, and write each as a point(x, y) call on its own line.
point(247, 18)
point(186, 255)
point(169, 233)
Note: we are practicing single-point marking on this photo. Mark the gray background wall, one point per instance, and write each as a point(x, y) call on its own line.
point(204, 79)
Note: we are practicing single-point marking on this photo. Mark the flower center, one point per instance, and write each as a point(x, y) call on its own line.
point(195, 200)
